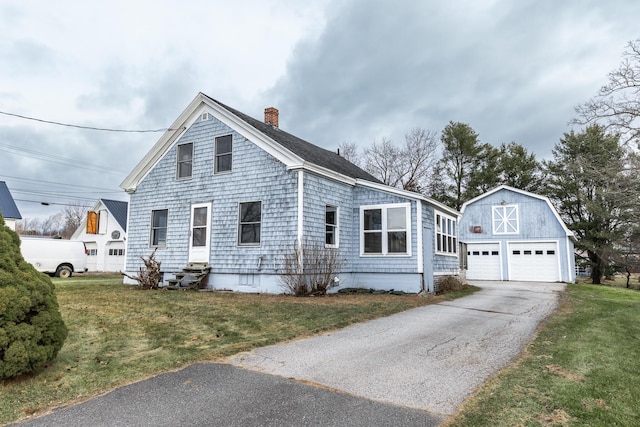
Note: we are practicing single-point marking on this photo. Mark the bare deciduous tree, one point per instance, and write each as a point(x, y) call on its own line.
point(616, 107)
point(309, 269)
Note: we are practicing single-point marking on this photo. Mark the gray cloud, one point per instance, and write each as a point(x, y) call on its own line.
point(513, 71)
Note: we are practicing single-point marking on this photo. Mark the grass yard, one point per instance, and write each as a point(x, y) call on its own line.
point(119, 334)
point(583, 368)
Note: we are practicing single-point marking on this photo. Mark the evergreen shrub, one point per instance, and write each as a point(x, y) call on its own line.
point(31, 328)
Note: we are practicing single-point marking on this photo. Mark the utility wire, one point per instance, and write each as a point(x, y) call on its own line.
point(85, 127)
point(41, 181)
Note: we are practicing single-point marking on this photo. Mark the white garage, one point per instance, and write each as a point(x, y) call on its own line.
point(533, 261)
point(483, 261)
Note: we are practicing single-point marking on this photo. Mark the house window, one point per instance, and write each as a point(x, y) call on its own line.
point(159, 228)
point(185, 160)
point(505, 219)
point(446, 234)
point(385, 229)
point(223, 157)
point(331, 226)
point(250, 218)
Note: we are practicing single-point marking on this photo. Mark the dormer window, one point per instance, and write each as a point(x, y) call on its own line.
point(223, 154)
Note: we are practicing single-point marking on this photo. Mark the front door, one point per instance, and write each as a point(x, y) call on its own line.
point(200, 237)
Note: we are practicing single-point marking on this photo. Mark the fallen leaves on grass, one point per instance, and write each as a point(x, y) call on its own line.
point(563, 373)
point(558, 417)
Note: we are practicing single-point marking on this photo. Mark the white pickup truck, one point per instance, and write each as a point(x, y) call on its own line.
point(57, 257)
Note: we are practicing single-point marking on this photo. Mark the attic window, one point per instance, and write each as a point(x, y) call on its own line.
point(204, 117)
point(223, 154)
point(505, 219)
point(185, 161)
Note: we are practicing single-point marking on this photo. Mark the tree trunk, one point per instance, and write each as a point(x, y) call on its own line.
point(597, 267)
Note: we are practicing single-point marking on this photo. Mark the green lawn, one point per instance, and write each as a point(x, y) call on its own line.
point(583, 368)
point(119, 334)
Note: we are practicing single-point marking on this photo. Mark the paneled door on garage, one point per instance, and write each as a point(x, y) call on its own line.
point(534, 261)
point(483, 261)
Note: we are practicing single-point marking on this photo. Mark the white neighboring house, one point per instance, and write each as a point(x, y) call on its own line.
point(8, 207)
point(104, 232)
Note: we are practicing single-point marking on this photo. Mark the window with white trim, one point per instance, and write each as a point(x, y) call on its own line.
point(184, 160)
point(249, 222)
point(505, 219)
point(159, 220)
point(331, 226)
point(446, 234)
point(385, 229)
point(223, 154)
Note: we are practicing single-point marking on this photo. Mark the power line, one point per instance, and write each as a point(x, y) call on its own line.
point(85, 127)
point(40, 181)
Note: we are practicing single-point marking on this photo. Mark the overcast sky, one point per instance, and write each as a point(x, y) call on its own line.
point(337, 70)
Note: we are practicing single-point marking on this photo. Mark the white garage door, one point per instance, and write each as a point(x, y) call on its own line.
point(483, 261)
point(534, 262)
point(114, 256)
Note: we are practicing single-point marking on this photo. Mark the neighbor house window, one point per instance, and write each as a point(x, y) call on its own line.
point(446, 234)
point(505, 219)
point(250, 218)
point(385, 229)
point(185, 161)
point(331, 225)
point(159, 227)
point(116, 252)
point(223, 156)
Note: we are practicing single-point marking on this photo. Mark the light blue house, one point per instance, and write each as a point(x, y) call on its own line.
point(511, 234)
point(237, 193)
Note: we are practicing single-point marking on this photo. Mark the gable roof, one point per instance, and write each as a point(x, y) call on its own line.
point(119, 211)
point(292, 151)
point(7, 204)
point(523, 192)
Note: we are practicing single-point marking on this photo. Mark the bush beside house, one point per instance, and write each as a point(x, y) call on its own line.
point(31, 328)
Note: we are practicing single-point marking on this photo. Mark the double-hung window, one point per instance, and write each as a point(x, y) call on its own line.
point(331, 226)
point(446, 234)
point(249, 222)
point(223, 154)
point(385, 229)
point(159, 228)
point(505, 219)
point(184, 161)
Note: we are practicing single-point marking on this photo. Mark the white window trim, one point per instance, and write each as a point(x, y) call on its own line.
point(193, 151)
point(494, 210)
point(385, 246)
point(250, 245)
point(336, 229)
point(215, 155)
point(455, 235)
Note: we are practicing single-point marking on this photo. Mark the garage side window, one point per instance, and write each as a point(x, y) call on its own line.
point(446, 234)
point(159, 228)
point(505, 219)
point(385, 229)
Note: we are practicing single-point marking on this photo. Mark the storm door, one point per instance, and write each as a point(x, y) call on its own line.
point(200, 232)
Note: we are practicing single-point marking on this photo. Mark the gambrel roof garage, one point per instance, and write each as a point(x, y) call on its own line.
point(512, 234)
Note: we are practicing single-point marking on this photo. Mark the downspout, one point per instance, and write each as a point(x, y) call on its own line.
point(300, 219)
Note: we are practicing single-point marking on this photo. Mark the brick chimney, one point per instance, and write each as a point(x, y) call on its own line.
point(271, 116)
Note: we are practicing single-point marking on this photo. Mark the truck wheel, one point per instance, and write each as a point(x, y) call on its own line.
point(63, 272)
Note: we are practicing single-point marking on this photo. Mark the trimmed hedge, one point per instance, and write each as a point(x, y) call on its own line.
point(31, 328)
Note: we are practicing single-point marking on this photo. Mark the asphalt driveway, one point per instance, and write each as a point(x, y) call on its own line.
point(412, 368)
point(430, 358)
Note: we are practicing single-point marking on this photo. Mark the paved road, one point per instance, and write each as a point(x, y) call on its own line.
point(410, 369)
point(430, 358)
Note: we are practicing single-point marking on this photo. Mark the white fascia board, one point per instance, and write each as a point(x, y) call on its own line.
point(327, 173)
point(410, 195)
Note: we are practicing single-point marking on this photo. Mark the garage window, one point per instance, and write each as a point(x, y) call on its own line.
point(505, 219)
